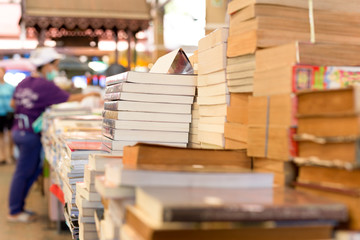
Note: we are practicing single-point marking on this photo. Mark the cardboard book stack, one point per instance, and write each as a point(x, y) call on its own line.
point(258, 24)
point(213, 93)
point(280, 72)
point(328, 138)
point(150, 107)
point(194, 126)
point(218, 213)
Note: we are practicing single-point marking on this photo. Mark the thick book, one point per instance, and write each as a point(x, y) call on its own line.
point(212, 138)
point(213, 39)
point(152, 78)
point(151, 89)
point(148, 107)
point(208, 127)
point(164, 204)
point(108, 190)
point(213, 59)
point(145, 116)
point(242, 178)
point(238, 114)
point(97, 162)
point(218, 110)
point(146, 154)
point(144, 97)
point(233, 144)
point(213, 90)
point(214, 100)
point(119, 145)
point(81, 150)
point(212, 78)
point(145, 135)
point(138, 125)
point(236, 131)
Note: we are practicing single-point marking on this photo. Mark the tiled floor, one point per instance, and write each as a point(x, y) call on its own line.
point(42, 229)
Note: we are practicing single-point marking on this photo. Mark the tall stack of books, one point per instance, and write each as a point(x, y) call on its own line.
point(218, 213)
point(328, 140)
point(267, 23)
point(280, 72)
point(147, 107)
point(213, 92)
point(87, 199)
point(194, 126)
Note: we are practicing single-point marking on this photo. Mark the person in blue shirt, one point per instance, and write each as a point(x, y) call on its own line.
point(6, 117)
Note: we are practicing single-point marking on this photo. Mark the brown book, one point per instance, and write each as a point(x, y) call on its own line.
point(239, 99)
point(237, 114)
point(342, 153)
point(320, 54)
point(277, 110)
point(329, 176)
point(330, 126)
point(164, 205)
point(236, 131)
point(329, 102)
point(138, 224)
point(156, 154)
point(274, 142)
point(280, 179)
point(274, 165)
point(232, 144)
point(350, 198)
point(237, 5)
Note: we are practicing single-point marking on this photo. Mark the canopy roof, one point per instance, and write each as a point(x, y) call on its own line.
point(133, 15)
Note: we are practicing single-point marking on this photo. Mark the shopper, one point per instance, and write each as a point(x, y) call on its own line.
point(31, 97)
point(6, 118)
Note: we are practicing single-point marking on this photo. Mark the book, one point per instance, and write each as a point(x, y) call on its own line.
point(140, 178)
point(238, 114)
point(145, 135)
point(144, 97)
point(212, 90)
point(164, 204)
point(83, 203)
point(108, 190)
point(81, 150)
point(119, 145)
point(213, 39)
point(97, 162)
point(155, 154)
point(175, 62)
point(212, 138)
point(216, 128)
point(151, 89)
point(236, 131)
point(212, 78)
point(233, 144)
point(213, 59)
point(142, 125)
point(147, 107)
point(152, 78)
point(218, 110)
point(214, 100)
point(144, 116)
point(89, 196)
point(329, 102)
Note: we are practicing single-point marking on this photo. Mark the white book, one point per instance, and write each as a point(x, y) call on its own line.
point(119, 145)
point(147, 178)
point(144, 116)
point(143, 135)
point(83, 203)
point(97, 162)
point(152, 78)
point(144, 97)
point(151, 89)
point(142, 125)
point(147, 107)
point(107, 190)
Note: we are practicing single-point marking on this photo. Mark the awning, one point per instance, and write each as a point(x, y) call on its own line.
point(82, 15)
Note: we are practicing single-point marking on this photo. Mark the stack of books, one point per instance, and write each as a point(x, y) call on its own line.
point(280, 72)
point(213, 92)
point(266, 23)
point(194, 126)
point(217, 213)
point(328, 140)
point(87, 199)
point(147, 107)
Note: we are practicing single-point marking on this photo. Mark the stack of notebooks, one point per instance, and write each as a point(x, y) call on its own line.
point(147, 107)
point(258, 24)
point(217, 213)
point(328, 140)
point(194, 126)
point(88, 200)
point(280, 72)
point(213, 92)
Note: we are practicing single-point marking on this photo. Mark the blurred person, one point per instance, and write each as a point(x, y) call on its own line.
point(6, 118)
point(31, 97)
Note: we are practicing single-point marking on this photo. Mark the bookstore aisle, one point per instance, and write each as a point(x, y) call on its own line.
point(39, 230)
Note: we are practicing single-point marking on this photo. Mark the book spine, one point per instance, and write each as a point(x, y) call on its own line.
point(108, 132)
point(112, 96)
point(109, 123)
point(114, 88)
point(114, 105)
point(110, 114)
